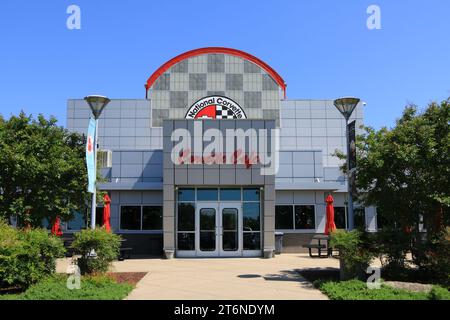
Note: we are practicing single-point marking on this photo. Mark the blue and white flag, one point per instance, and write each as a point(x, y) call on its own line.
point(90, 155)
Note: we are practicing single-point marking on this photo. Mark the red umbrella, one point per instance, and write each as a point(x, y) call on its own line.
point(107, 213)
point(330, 226)
point(56, 228)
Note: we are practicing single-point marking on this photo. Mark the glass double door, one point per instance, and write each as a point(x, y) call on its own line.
point(218, 229)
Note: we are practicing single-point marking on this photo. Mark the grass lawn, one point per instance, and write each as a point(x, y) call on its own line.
point(92, 288)
point(357, 290)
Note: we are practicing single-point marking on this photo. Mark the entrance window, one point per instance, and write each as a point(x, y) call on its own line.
point(251, 194)
point(186, 226)
point(186, 195)
point(251, 217)
point(186, 217)
point(230, 194)
point(213, 220)
point(186, 241)
point(252, 241)
point(207, 195)
point(230, 229)
point(207, 229)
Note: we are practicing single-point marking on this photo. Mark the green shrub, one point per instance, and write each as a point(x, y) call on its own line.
point(353, 255)
point(27, 256)
point(10, 250)
point(106, 246)
point(392, 246)
point(433, 259)
point(46, 246)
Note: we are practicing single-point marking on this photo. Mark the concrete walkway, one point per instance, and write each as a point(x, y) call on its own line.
point(242, 278)
point(223, 279)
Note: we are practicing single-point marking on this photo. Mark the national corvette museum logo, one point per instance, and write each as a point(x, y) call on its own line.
point(215, 107)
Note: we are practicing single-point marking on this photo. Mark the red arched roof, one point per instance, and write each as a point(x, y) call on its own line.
point(197, 52)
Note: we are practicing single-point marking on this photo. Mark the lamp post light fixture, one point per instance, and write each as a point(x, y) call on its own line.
point(346, 106)
point(97, 104)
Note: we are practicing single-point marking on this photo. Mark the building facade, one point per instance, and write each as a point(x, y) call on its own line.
point(216, 159)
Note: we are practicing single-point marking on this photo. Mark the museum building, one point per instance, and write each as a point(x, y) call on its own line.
point(167, 198)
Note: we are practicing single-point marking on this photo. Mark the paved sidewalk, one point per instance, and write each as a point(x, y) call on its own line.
point(227, 279)
point(242, 278)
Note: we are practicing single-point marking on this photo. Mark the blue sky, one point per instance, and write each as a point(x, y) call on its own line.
point(323, 49)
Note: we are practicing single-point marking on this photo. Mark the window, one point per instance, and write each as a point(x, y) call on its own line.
point(340, 219)
point(230, 194)
point(104, 158)
point(252, 241)
point(251, 194)
point(359, 218)
point(216, 63)
point(186, 241)
point(78, 222)
point(207, 219)
point(207, 195)
point(305, 217)
point(253, 99)
point(186, 195)
point(152, 217)
point(284, 217)
point(163, 82)
point(98, 216)
point(295, 217)
point(186, 217)
point(186, 226)
point(234, 82)
point(197, 81)
point(130, 218)
point(382, 219)
point(251, 215)
point(178, 99)
point(45, 224)
point(137, 218)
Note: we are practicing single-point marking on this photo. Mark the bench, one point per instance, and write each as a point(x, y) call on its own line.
point(319, 248)
point(125, 252)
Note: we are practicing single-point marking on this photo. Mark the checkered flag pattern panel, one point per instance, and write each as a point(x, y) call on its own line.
point(224, 113)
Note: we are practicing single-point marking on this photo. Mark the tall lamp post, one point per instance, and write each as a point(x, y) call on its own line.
point(346, 106)
point(97, 104)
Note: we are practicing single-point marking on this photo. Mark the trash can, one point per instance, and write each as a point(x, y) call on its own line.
point(278, 242)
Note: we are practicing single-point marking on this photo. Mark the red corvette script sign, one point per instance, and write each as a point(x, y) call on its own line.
point(215, 107)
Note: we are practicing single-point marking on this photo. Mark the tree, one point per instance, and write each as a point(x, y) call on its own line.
point(42, 170)
point(405, 171)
